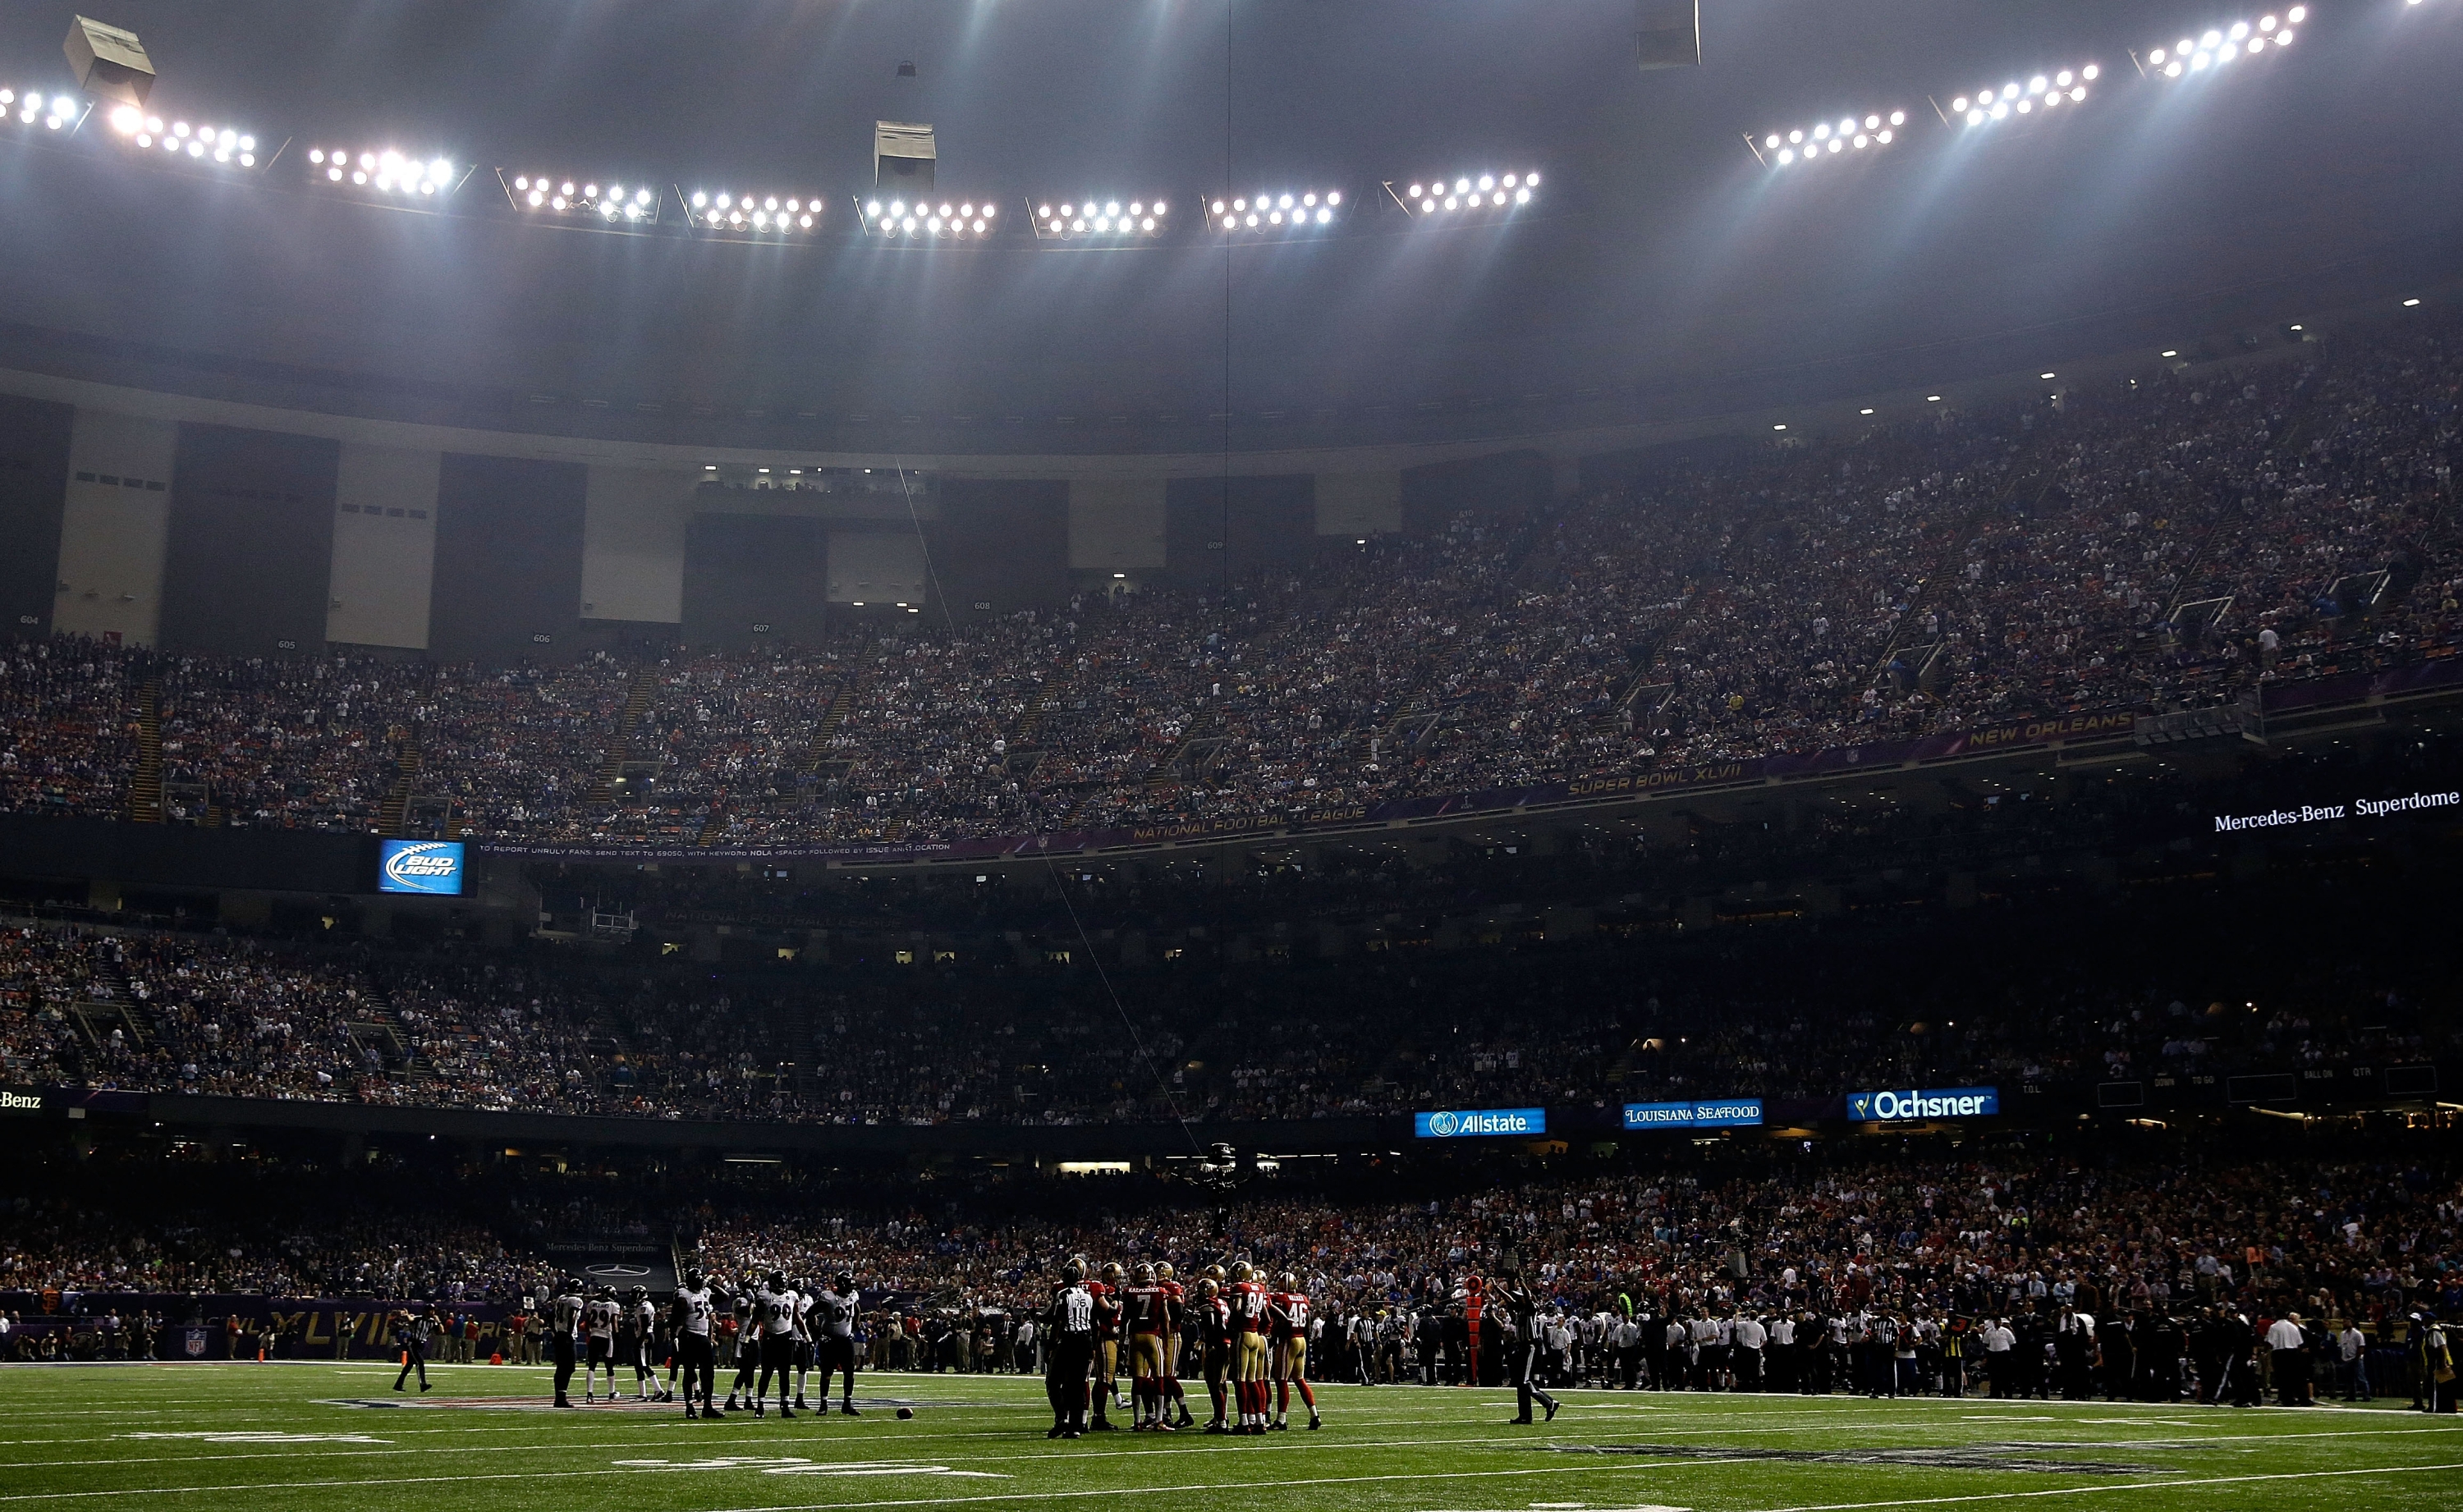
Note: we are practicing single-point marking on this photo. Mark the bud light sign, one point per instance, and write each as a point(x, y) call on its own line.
point(1481, 1121)
point(433, 867)
point(1950, 1102)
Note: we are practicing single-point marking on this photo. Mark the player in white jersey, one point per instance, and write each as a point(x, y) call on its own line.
point(599, 1317)
point(833, 1325)
point(643, 1318)
point(774, 1309)
point(694, 1317)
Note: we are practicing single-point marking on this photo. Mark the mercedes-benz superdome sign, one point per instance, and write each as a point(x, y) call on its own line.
point(1943, 1102)
point(1718, 1112)
point(433, 867)
point(1474, 1121)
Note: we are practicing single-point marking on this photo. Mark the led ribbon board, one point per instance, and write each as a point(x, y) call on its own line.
point(1947, 1102)
point(1475, 1123)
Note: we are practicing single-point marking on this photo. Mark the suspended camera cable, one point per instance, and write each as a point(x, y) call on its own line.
point(931, 573)
point(1136, 1042)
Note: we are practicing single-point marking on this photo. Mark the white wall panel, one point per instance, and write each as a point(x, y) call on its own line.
point(385, 547)
point(116, 525)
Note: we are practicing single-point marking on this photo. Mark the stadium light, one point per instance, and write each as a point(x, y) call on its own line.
point(1832, 138)
point(895, 217)
point(56, 110)
point(225, 146)
point(1463, 195)
point(729, 213)
point(388, 171)
point(1278, 213)
point(2018, 98)
point(2220, 45)
point(1110, 217)
point(608, 202)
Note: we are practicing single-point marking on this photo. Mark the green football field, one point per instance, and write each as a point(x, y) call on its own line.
point(279, 1438)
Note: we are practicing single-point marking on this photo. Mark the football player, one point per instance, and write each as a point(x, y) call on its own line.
point(1106, 1292)
point(1148, 1316)
point(833, 1323)
point(695, 1315)
point(565, 1328)
point(599, 1317)
point(1247, 1296)
point(773, 1308)
point(1288, 1310)
point(1214, 1336)
point(1175, 1298)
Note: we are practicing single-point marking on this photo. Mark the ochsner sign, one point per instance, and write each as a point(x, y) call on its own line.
point(1950, 1102)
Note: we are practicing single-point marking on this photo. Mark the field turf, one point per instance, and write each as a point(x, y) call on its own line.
point(290, 1438)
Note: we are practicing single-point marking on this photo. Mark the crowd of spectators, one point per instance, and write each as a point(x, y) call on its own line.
point(2183, 539)
point(2034, 1239)
point(2150, 1241)
point(976, 1028)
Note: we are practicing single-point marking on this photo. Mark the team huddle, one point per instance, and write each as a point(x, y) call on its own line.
point(1252, 1338)
point(777, 1331)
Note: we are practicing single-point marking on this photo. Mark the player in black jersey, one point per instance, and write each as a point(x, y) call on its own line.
point(564, 1327)
point(693, 1316)
point(831, 1320)
point(746, 1331)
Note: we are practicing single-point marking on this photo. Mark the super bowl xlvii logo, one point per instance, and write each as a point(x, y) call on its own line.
point(421, 866)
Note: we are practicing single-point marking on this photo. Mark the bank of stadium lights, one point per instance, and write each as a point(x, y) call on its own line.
point(1465, 194)
point(751, 214)
point(57, 111)
point(896, 218)
point(1828, 138)
point(2043, 92)
point(1276, 212)
point(199, 143)
point(612, 204)
point(1069, 217)
point(2218, 46)
point(386, 170)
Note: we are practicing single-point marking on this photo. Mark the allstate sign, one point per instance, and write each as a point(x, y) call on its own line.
point(1480, 1121)
point(1947, 1102)
point(432, 867)
point(1724, 1113)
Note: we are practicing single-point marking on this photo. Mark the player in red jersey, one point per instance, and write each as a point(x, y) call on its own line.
point(1288, 1312)
point(1247, 1296)
point(1106, 1364)
point(1214, 1338)
point(1148, 1316)
point(1175, 1301)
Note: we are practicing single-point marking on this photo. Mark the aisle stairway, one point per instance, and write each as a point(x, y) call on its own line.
point(637, 706)
point(145, 783)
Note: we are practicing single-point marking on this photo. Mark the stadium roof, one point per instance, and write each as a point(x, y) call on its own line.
point(1664, 258)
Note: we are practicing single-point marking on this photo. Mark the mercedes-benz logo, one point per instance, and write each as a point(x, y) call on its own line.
point(629, 1272)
